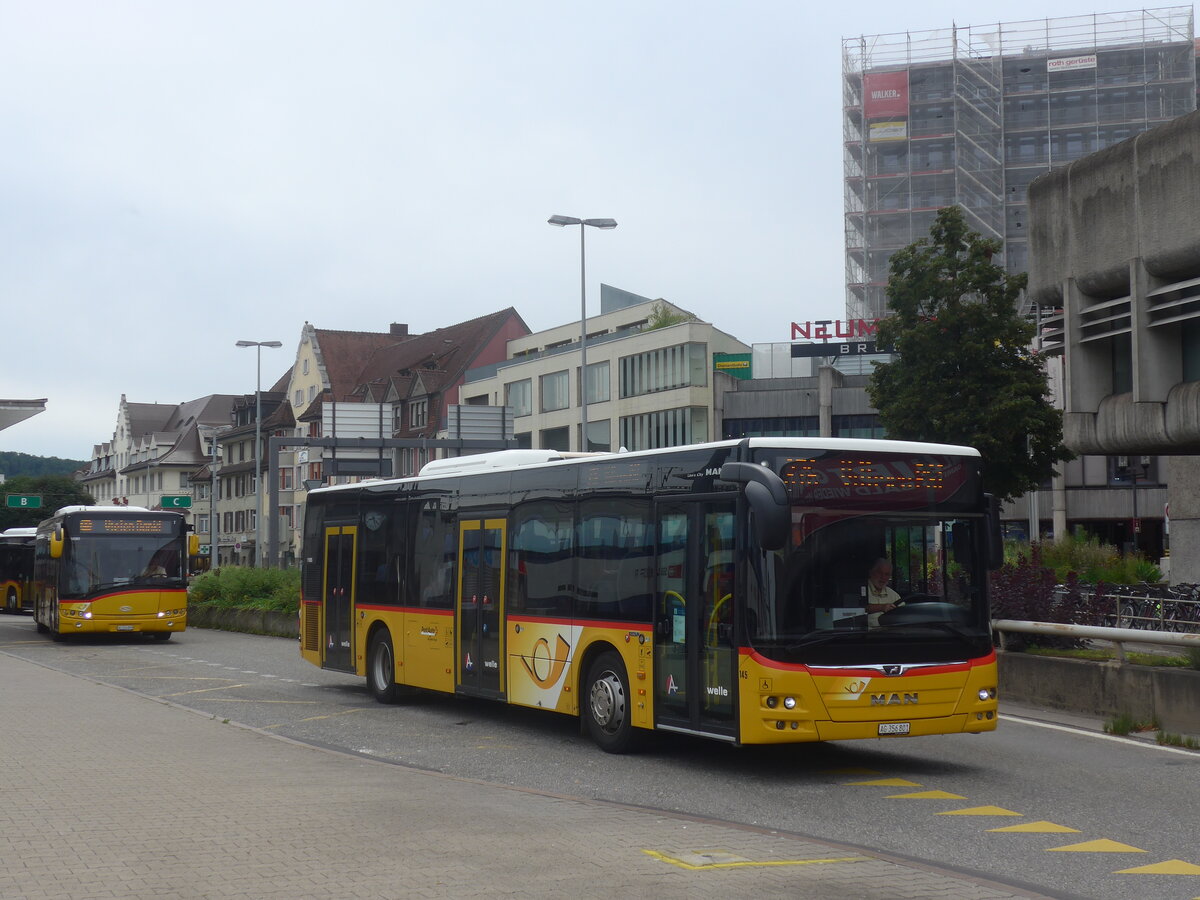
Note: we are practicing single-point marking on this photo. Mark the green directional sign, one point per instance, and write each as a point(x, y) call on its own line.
point(23, 501)
point(180, 501)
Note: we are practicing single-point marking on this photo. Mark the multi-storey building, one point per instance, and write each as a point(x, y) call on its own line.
point(649, 380)
point(970, 115)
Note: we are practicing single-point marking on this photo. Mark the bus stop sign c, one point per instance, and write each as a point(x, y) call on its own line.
point(179, 501)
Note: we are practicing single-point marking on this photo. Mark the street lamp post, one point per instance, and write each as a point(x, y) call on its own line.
point(607, 225)
point(258, 345)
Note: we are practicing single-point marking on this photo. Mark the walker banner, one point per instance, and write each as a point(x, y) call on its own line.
point(885, 95)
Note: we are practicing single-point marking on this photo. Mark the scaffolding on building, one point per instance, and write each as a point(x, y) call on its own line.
point(970, 115)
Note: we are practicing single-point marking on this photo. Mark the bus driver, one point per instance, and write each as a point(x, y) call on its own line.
point(880, 597)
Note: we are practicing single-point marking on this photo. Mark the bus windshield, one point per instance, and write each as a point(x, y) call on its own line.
point(103, 562)
point(884, 562)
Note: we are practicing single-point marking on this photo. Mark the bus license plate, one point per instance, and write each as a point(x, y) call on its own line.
point(893, 728)
point(130, 628)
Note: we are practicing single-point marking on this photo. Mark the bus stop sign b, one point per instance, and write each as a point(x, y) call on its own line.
point(23, 501)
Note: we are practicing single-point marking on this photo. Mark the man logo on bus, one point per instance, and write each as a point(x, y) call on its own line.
point(546, 668)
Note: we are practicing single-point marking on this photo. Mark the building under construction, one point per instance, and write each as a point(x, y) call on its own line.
point(970, 115)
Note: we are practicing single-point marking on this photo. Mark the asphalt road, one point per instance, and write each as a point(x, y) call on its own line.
point(1078, 809)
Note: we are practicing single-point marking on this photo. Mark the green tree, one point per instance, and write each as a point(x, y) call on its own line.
point(55, 490)
point(966, 373)
point(663, 317)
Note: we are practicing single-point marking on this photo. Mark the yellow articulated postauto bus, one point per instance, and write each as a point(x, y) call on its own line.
point(758, 591)
point(112, 570)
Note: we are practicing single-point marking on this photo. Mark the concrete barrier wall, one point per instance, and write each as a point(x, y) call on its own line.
point(1170, 697)
point(248, 621)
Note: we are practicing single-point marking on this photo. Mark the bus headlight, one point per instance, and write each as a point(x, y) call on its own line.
point(789, 702)
point(87, 614)
point(987, 694)
point(772, 702)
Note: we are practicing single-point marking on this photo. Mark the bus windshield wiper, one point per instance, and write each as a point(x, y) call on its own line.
point(817, 637)
point(956, 630)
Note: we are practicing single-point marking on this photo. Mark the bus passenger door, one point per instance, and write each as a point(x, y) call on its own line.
point(695, 659)
point(339, 597)
point(479, 606)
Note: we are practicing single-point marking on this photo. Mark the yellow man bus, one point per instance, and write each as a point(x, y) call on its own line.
point(112, 570)
point(718, 590)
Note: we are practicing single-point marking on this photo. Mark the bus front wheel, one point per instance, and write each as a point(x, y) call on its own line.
point(607, 711)
point(381, 668)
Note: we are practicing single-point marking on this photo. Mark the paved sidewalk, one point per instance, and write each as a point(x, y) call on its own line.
point(108, 794)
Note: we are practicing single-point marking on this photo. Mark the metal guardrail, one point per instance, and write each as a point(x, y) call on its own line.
point(1118, 637)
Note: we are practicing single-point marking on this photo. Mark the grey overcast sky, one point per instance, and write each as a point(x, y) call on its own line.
point(181, 175)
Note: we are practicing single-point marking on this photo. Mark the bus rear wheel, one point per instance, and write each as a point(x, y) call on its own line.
point(381, 668)
point(607, 712)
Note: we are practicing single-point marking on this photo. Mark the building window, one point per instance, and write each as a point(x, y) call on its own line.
point(597, 382)
point(184, 482)
point(555, 391)
point(299, 397)
point(555, 439)
point(664, 369)
point(304, 366)
point(285, 479)
point(665, 428)
point(1189, 343)
point(599, 436)
point(418, 413)
point(519, 395)
point(202, 524)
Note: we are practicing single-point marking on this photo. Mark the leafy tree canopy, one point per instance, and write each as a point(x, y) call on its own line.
point(966, 373)
point(13, 464)
point(55, 490)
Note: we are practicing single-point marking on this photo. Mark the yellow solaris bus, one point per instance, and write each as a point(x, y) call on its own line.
point(112, 569)
point(717, 589)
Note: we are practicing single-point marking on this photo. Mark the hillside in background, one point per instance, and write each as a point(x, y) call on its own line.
point(14, 465)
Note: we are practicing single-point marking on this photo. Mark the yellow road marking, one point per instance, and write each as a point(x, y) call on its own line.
point(926, 795)
point(1038, 828)
point(1101, 846)
point(357, 709)
point(224, 687)
point(166, 677)
point(252, 700)
point(1169, 867)
point(980, 811)
point(750, 863)
point(884, 782)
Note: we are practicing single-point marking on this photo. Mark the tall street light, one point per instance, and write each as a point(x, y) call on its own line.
point(606, 225)
point(258, 345)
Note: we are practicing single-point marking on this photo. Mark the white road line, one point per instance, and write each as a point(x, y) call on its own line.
point(1071, 729)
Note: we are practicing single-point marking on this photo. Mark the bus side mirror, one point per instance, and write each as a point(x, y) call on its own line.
point(193, 544)
point(56, 543)
point(768, 501)
point(993, 535)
